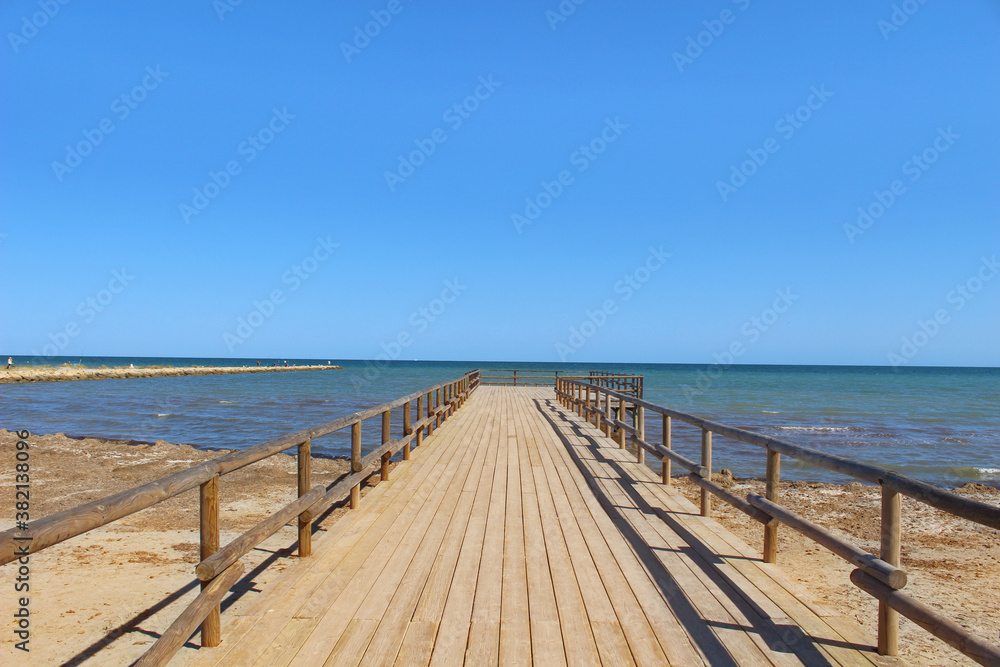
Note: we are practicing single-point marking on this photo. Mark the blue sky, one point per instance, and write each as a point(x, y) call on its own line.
point(641, 182)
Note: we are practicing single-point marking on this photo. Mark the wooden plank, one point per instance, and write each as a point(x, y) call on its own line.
point(822, 629)
point(546, 637)
point(716, 610)
point(415, 649)
point(486, 610)
point(515, 628)
point(607, 556)
point(598, 605)
point(351, 644)
point(674, 642)
point(281, 610)
point(456, 614)
point(396, 614)
point(407, 528)
point(578, 638)
point(285, 600)
point(282, 649)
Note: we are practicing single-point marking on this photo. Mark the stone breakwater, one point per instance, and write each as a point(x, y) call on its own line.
point(74, 373)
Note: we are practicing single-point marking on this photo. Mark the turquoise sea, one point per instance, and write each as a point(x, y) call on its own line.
point(941, 425)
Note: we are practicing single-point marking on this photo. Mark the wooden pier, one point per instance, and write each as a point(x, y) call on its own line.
point(522, 535)
point(517, 530)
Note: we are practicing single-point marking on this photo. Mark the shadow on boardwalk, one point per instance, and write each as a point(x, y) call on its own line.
point(781, 638)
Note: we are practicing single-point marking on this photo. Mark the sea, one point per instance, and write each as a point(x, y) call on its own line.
point(940, 425)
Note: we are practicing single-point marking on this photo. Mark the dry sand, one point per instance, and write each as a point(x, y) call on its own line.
point(106, 590)
point(953, 564)
point(116, 588)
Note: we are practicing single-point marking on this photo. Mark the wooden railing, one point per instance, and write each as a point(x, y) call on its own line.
point(219, 569)
point(879, 576)
point(627, 384)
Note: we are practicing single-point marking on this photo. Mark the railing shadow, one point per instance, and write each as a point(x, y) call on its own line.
point(781, 638)
point(242, 587)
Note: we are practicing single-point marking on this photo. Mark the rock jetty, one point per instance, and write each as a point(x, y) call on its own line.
point(59, 373)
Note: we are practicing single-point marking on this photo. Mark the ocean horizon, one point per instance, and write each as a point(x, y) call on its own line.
point(939, 424)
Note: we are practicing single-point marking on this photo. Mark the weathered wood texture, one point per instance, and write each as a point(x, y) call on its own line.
point(519, 534)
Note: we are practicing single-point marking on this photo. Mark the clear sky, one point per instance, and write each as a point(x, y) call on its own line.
point(640, 182)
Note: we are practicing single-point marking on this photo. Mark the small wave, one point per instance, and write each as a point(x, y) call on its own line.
point(227, 402)
point(820, 429)
point(982, 473)
point(164, 414)
point(771, 412)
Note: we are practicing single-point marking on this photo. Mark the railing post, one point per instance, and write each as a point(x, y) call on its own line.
point(668, 444)
point(706, 462)
point(607, 414)
point(420, 412)
point(515, 378)
point(621, 418)
point(640, 424)
point(587, 414)
point(407, 428)
point(430, 412)
point(305, 484)
point(355, 462)
point(384, 471)
point(437, 405)
point(773, 477)
point(211, 627)
point(888, 619)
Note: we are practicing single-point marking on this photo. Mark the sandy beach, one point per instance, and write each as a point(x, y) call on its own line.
point(953, 564)
point(66, 372)
point(116, 588)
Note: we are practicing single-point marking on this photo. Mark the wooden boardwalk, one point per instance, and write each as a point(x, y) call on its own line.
point(518, 534)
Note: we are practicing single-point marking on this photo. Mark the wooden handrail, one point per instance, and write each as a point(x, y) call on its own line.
point(61, 526)
point(219, 569)
point(174, 637)
point(879, 576)
point(887, 573)
point(930, 620)
point(966, 508)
